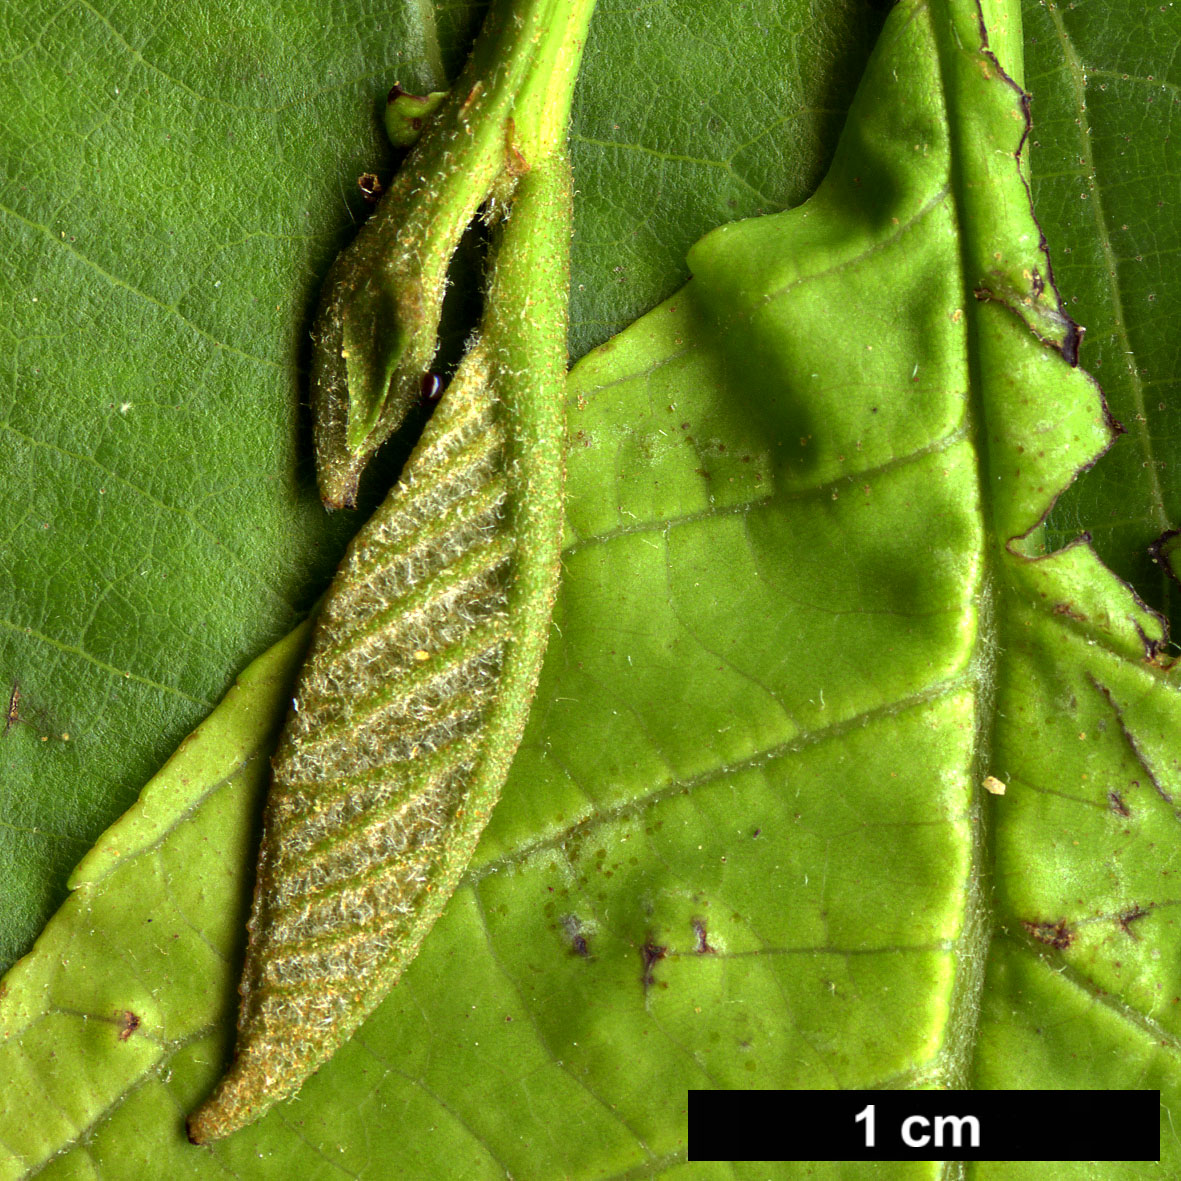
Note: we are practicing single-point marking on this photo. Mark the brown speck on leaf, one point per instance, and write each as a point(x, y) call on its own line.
point(1128, 917)
point(1057, 935)
point(130, 1023)
point(578, 943)
point(652, 953)
point(14, 702)
point(703, 947)
point(1118, 806)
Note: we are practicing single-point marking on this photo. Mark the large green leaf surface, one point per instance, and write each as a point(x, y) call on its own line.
point(165, 223)
point(1106, 161)
point(806, 611)
point(175, 179)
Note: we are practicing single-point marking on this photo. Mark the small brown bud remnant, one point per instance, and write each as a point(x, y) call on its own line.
point(371, 187)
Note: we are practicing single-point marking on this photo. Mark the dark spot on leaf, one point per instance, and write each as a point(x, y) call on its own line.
point(1117, 804)
point(703, 947)
point(1130, 739)
point(1128, 917)
point(1162, 549)
point(651, 953)
point(129, 1022)
point(14, 702)
point(578, 942)
point(1057, 935)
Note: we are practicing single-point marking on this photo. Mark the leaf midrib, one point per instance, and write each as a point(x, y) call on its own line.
point(963, 1022)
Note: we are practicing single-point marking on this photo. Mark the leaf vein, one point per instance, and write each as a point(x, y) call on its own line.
point(72, 650)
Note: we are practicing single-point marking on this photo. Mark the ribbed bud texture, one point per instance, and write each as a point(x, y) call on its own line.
point(429, 643)
point(378, 781)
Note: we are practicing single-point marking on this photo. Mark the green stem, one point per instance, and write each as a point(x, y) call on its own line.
point(541, 113)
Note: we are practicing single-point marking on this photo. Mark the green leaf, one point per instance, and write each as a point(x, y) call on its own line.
point(1104, 170)
point(745, 842)
point(168, 215)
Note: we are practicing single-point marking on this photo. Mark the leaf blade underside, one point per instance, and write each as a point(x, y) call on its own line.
point(765, 876)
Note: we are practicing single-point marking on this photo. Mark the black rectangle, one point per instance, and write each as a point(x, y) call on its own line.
point(925, 1125)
